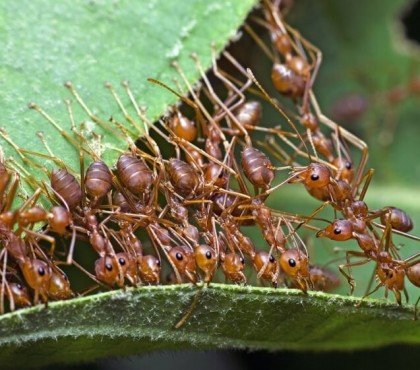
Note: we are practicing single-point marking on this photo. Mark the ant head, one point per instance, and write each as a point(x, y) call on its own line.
point(345, 168)
point(37, 273)
point(180, 258)
point(249, 114)
point(20, 295)
point(206, 258)
point(295, 263)
point(232, 266)
point(59, 287)
point(315, 176)
point(107, 270)
point(339, 230)
point(233, 263)
point(262, 259)
point(149, 268)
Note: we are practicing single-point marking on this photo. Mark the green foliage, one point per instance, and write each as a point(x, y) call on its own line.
point(143, 319)
point(91, 42)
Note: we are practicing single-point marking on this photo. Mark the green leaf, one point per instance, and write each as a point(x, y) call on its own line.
point(143, 319)
point(45, 43)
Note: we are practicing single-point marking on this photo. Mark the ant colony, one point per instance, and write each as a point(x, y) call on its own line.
point(152, 219)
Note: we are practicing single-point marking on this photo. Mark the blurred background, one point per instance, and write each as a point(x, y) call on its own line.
point(369, 82)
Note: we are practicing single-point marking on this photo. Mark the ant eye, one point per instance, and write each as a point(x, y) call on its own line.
point(242, 260)
point(158, 263)
point(337, 231)
point(41, 271)
point(179, 256)
point(220, 175)
point(272, 259)
point(314, 177)
point(348, 165)
point(208, 255)
point(20, 287)
point(121, 261)
point(108, 266)
point(292, 262)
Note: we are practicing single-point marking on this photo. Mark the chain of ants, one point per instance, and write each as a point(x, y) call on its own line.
point(197, 228)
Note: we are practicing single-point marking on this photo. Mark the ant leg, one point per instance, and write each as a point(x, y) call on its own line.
point(415, 308)
point(11, 195)
point(155, 240)
point(219, 101)
point(358, 143)
point(276, 106)
point(91, 276)
point(348, 265)
point(368, 294)
point(92, 116)
point(191, 308)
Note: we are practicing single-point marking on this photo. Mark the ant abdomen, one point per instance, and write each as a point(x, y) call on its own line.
point(119, 200)
point(413, 274)
point(134, 174)
point(323, 279)
point(300, 66)
point(249, 114)
point(287, 82)
point(98, 180)
point(183, 177)
point(257, 167)
point(66, 185)
point(399, 219)
point(183, 127)
point(59, 219)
